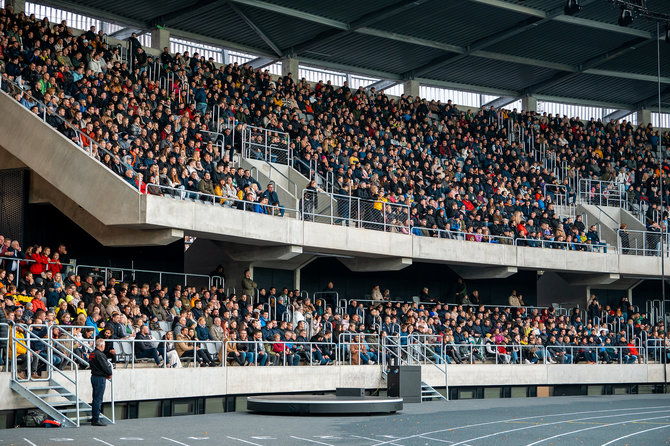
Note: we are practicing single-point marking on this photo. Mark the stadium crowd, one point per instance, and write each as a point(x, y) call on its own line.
point(286, 327)
point(459, 172)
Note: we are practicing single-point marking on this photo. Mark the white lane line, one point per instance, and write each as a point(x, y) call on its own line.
point(311, 441)
point(435, 439)
point(30, 442)
point(131, 438)
point(198, 438)
point(244, 441)
point(488, 423)
point(375, 440)
point(635, 433)
point(554, 423)
point(61, 439)
point(594, 427)
point(103, 441)
point(174, 441)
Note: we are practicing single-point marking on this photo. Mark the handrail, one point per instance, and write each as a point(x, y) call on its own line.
point(133, 271)
point(184, 194)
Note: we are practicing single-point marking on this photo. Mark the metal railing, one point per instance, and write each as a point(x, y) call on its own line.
point(558, 244)
point(270, 145)
point(377, 214)
point(481, 236)
point(148, 276)
point(642, 243)
point(184, 194)
point(15, 265)
point(602, 193)
point(410, 348)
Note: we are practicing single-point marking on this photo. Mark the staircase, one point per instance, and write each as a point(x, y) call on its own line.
point(412, 353)
point(55, 400)
point(428, 393)
point(57, 395)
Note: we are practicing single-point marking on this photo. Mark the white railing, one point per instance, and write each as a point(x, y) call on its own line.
point(265, 144)
point(642, 243)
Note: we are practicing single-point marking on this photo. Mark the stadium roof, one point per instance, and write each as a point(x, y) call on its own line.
point(510, 48)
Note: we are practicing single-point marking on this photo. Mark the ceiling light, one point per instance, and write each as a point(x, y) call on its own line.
point(572, 7)
point(626, 17)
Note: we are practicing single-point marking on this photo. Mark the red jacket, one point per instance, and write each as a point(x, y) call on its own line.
point(39, 264)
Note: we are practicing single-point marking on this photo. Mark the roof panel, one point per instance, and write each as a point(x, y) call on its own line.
point(374, 53)
point(491, 73)
point(561, 42)
point(603, 88)
point(219, 21)
point(458, 23)
point(345, 11)
point(451, 23)
point(277, 27)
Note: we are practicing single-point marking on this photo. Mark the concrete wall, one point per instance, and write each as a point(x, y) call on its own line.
point(151, 383)
point(54, 158)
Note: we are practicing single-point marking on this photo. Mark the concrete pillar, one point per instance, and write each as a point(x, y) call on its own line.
point(290, 65)
point(529, 103)
point(160, 38)
point(643, 117)
point(18, 5)
point(412, 88)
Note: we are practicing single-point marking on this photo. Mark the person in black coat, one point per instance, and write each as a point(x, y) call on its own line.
point(101, 371)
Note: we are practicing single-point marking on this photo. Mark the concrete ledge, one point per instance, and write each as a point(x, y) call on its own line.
point(151, 383)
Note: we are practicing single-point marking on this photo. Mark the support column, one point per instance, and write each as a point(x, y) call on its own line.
point(290, 65)
point(412, 88)
point(643, 117)
point(160, 38)
point(18, 5)
point(529, 103)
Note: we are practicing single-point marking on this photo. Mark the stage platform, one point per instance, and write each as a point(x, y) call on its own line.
point(323, 405)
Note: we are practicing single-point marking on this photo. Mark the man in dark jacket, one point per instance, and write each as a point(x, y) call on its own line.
point(101, 370)
point(144, 348)
point(273, 198)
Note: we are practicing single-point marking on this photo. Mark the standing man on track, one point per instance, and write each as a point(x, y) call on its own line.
point(101, 370)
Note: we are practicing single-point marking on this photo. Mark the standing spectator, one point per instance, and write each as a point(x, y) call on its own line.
point(248, 285)
point(101, 371)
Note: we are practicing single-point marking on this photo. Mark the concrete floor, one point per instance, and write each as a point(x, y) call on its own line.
point(602, 420)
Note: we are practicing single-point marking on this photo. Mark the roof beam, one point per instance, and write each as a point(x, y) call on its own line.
point(467, 87)
point(652, 101)
point(561, 17)
point(501, 101)
point(617, 115)
point(634, 76)
point(382, 84)
point(585, 102)
point(293, 13)
point(261, 62)
point(259, 32)
point(124, 33)
point(108, 16)
point(360, 23)
point(164, 19)
point(410, 39)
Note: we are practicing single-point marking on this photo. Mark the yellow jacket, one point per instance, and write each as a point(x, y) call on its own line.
point(20, 349)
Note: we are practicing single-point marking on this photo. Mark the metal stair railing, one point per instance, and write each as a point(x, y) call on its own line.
point(60, 410)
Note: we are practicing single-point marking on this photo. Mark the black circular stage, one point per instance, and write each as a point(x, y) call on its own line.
point(322, 404)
